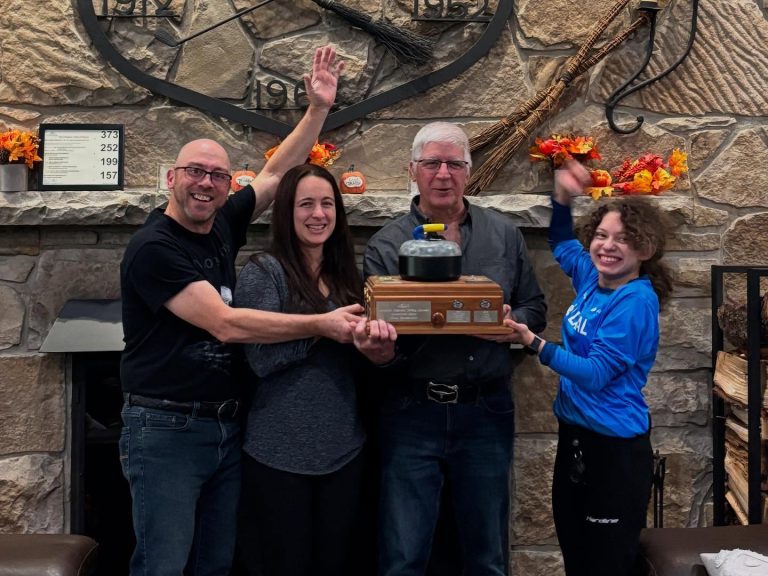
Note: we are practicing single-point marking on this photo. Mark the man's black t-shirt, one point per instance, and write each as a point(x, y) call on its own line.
point(166, 357)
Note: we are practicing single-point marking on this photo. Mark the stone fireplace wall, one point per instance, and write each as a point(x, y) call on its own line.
point(56, 246)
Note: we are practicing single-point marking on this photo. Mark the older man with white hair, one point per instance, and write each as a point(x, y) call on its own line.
point(428, 438)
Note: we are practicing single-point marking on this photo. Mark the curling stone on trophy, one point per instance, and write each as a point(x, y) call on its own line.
point(430, 296)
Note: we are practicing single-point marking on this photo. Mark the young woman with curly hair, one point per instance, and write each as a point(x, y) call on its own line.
point(603, 467)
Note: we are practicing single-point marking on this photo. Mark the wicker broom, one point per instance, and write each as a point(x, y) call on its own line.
point(533, 112)
point(496, 131)
point(405, 45)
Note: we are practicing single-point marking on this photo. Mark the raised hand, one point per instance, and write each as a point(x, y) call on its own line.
point(570, 180)
point(376, 340)
point(321, 85)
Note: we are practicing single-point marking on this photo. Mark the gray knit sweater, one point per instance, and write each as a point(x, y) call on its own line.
point(303, 416)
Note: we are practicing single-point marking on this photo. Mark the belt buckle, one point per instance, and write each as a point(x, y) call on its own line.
point(443, 393)
point(228, 410)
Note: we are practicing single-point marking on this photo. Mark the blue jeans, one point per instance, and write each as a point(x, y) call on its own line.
point(424, 444)
point(184, 474)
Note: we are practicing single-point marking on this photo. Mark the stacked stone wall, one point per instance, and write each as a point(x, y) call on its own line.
point(56, 246)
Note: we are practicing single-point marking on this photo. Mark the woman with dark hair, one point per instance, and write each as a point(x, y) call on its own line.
point(603, 467)
point(303, 438)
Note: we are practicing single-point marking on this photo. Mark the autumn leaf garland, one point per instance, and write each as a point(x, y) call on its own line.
point(322, 154)
point(648, 174)
point(558, 149)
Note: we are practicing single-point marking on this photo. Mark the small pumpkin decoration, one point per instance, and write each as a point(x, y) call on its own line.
point(352, 181)
point(241, 178)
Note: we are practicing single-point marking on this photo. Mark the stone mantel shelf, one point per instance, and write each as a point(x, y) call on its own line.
point(131, 207)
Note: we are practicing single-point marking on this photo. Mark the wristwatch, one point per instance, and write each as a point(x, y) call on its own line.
point(535, 344)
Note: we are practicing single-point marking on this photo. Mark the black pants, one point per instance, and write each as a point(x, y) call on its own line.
point(600, 509)
point(297, 524)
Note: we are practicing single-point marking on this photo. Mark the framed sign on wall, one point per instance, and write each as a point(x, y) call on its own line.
point(82, 156)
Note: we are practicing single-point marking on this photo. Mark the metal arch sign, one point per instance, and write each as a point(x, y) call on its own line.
point(259, 120)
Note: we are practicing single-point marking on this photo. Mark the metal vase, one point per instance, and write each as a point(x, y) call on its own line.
point(14, 178)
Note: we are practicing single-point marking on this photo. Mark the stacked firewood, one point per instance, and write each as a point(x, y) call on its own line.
point(731, 384)
point(732, 318)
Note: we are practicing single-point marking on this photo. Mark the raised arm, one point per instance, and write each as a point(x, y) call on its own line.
point(570, 180)
point(294, 150)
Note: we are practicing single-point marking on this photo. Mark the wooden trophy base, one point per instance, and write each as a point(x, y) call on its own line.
point(469, 305)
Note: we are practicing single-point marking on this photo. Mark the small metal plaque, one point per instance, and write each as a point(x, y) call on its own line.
point(403, 311)
point(458, 316)
point(469, 305)
point(486, 316)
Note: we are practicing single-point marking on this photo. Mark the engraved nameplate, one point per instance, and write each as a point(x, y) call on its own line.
point(404, 311)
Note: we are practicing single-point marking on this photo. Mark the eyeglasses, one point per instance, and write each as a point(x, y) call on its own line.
point(197, 174)
point(433, 164)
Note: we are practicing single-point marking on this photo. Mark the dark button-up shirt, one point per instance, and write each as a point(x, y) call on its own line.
point(492, 246)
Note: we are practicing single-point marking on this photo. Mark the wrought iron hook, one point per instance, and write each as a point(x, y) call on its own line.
point(652, 8)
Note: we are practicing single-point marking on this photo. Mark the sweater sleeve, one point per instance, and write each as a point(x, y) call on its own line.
point(561, 224)
point(618, 344)
point(262, 287)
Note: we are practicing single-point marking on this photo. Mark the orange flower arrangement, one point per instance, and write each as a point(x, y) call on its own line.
point(19, 147)
point(646, 175)
point(323, 154)
point(557, 149)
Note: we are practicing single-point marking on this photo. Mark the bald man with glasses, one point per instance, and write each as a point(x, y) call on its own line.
point(180, 445)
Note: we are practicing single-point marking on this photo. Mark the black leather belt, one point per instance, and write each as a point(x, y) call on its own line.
point(444, 393)
point(225, 410)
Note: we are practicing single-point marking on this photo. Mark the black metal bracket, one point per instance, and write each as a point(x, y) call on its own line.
point(651, 7)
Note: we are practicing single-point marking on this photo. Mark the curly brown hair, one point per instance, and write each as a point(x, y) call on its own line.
point(646, 228)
